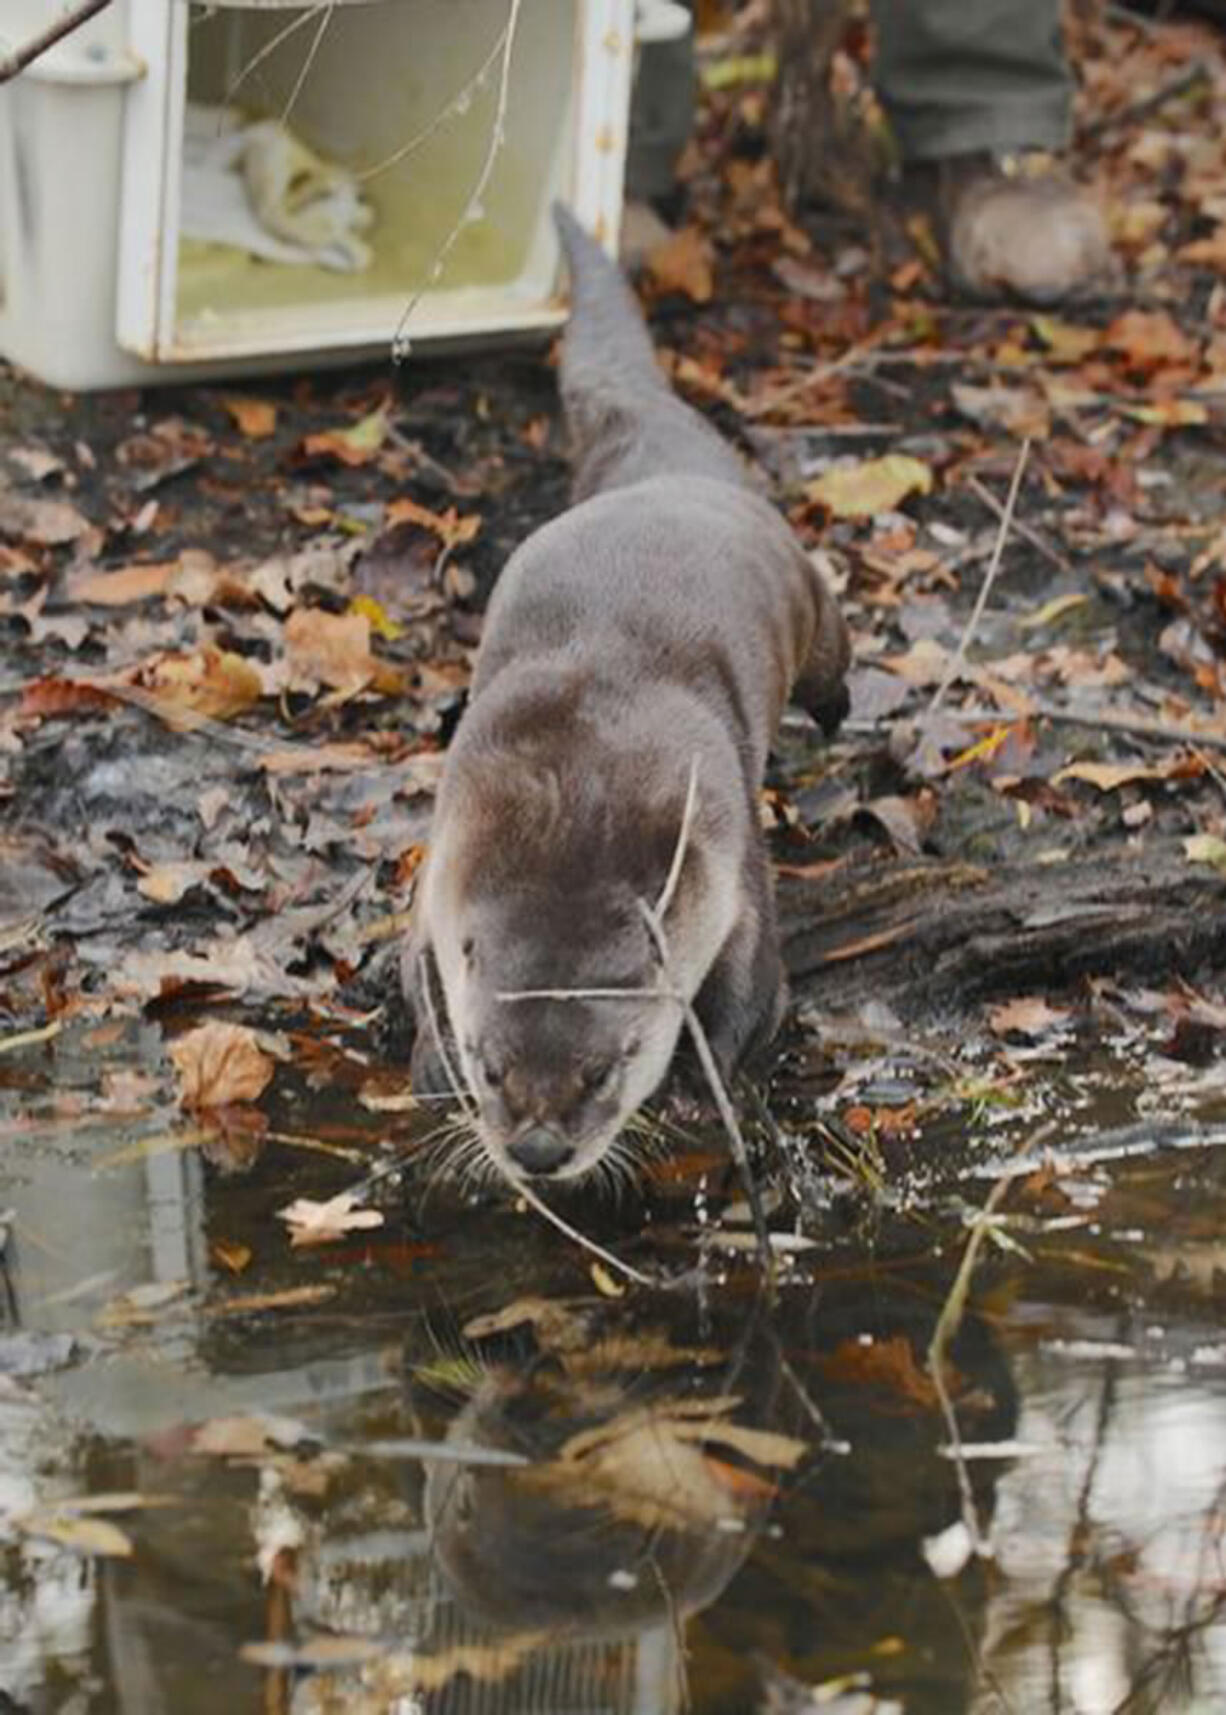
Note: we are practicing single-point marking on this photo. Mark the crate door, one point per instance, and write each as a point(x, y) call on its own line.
point(149, 193)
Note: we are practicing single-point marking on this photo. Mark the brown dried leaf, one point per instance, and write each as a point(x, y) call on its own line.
point(211, 683)
point(334, 649)
point(450, 528)
point(219, 1064)
point(1149, 339)
point(683, 264)
point(1108, 776)
point(354, 446)
point(255, 418)
point(124, 585)
point(888, 1364)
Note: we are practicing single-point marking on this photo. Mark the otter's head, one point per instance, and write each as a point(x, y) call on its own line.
point(563, 1017)
point(555, 1080)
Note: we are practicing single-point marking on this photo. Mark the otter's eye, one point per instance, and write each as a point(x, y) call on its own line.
point(491, 1074)
point(597, 1073)
point(630, 1048)
point(468, 947)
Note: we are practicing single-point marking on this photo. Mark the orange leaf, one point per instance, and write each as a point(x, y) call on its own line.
point(334, 649)
point(255, 418)
point(128, 583)
point(448, 526)
point(211, 684)
point(683, 264)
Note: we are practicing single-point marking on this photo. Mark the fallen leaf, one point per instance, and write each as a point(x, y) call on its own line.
point(380, 620)
point(1018, 410)
point(255, 418)
point(1206, 848)
point(872, 486)
point(210, 684)
point(683, 264)
point(450, 528)
point(1211, 251)
point(166, 883)
point(1149, 339)
point(312, 1223)
point(338, 757)
point(219, 1064)
point(80, 1532)
point(888, 1364)
point(1108, 776)
point(1066, 342)
point(44, 699)
point(48, 523)
point(333, 649)
point(124, 585)
point(1052, 610)
point(1168, 413)
point(1028, 1015)
point(248, 1435)
point(354, 446)
point(230, 1254)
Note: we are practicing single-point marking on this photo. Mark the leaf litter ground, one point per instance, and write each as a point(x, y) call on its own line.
point(238, 626)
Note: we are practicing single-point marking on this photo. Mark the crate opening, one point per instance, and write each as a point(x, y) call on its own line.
point(397, 113)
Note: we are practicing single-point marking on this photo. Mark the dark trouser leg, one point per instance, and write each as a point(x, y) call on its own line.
point(957, 77)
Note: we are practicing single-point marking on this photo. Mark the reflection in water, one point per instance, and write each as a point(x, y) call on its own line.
point(624, 1505)
point(1109, 1542)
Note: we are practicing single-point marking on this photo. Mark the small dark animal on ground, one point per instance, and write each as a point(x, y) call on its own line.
point(637, 656)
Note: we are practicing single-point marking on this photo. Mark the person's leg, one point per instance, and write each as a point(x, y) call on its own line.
point(960, 76)
point(969, 86)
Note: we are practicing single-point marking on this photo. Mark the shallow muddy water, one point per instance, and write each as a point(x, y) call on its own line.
point(447, 1465)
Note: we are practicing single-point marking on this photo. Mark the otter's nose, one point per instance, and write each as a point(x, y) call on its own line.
point(540, 1150)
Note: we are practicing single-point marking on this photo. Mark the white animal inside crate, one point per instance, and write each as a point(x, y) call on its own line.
point(405, 103)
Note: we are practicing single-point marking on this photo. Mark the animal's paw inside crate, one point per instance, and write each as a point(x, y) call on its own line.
point(193, 189)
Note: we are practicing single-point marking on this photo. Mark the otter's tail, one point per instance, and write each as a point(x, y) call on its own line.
point(625, 421)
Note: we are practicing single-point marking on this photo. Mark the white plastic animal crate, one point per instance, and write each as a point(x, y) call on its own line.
point(352, 132)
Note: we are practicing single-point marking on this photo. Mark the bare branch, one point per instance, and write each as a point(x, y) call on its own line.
point(1006, 518)
point(17, 59)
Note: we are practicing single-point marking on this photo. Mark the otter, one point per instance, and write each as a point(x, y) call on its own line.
point(637, 655)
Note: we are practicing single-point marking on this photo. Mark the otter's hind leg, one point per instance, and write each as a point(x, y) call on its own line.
point(820, 688)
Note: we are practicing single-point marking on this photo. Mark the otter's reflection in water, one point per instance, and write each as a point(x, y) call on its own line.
point(593, 1483)
point(595, 1487)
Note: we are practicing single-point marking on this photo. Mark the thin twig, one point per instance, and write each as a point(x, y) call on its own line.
point(400, 342)
point(519, 1186)
point(736, 1140)
point(947, 1326)
point(308, 62)
point(269, 47)
point(679, 850)
point(17, 59)
point(1134, 726)
point(989, 578)
point(524, 1190)
point(457, 104)
point(1039, 543)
